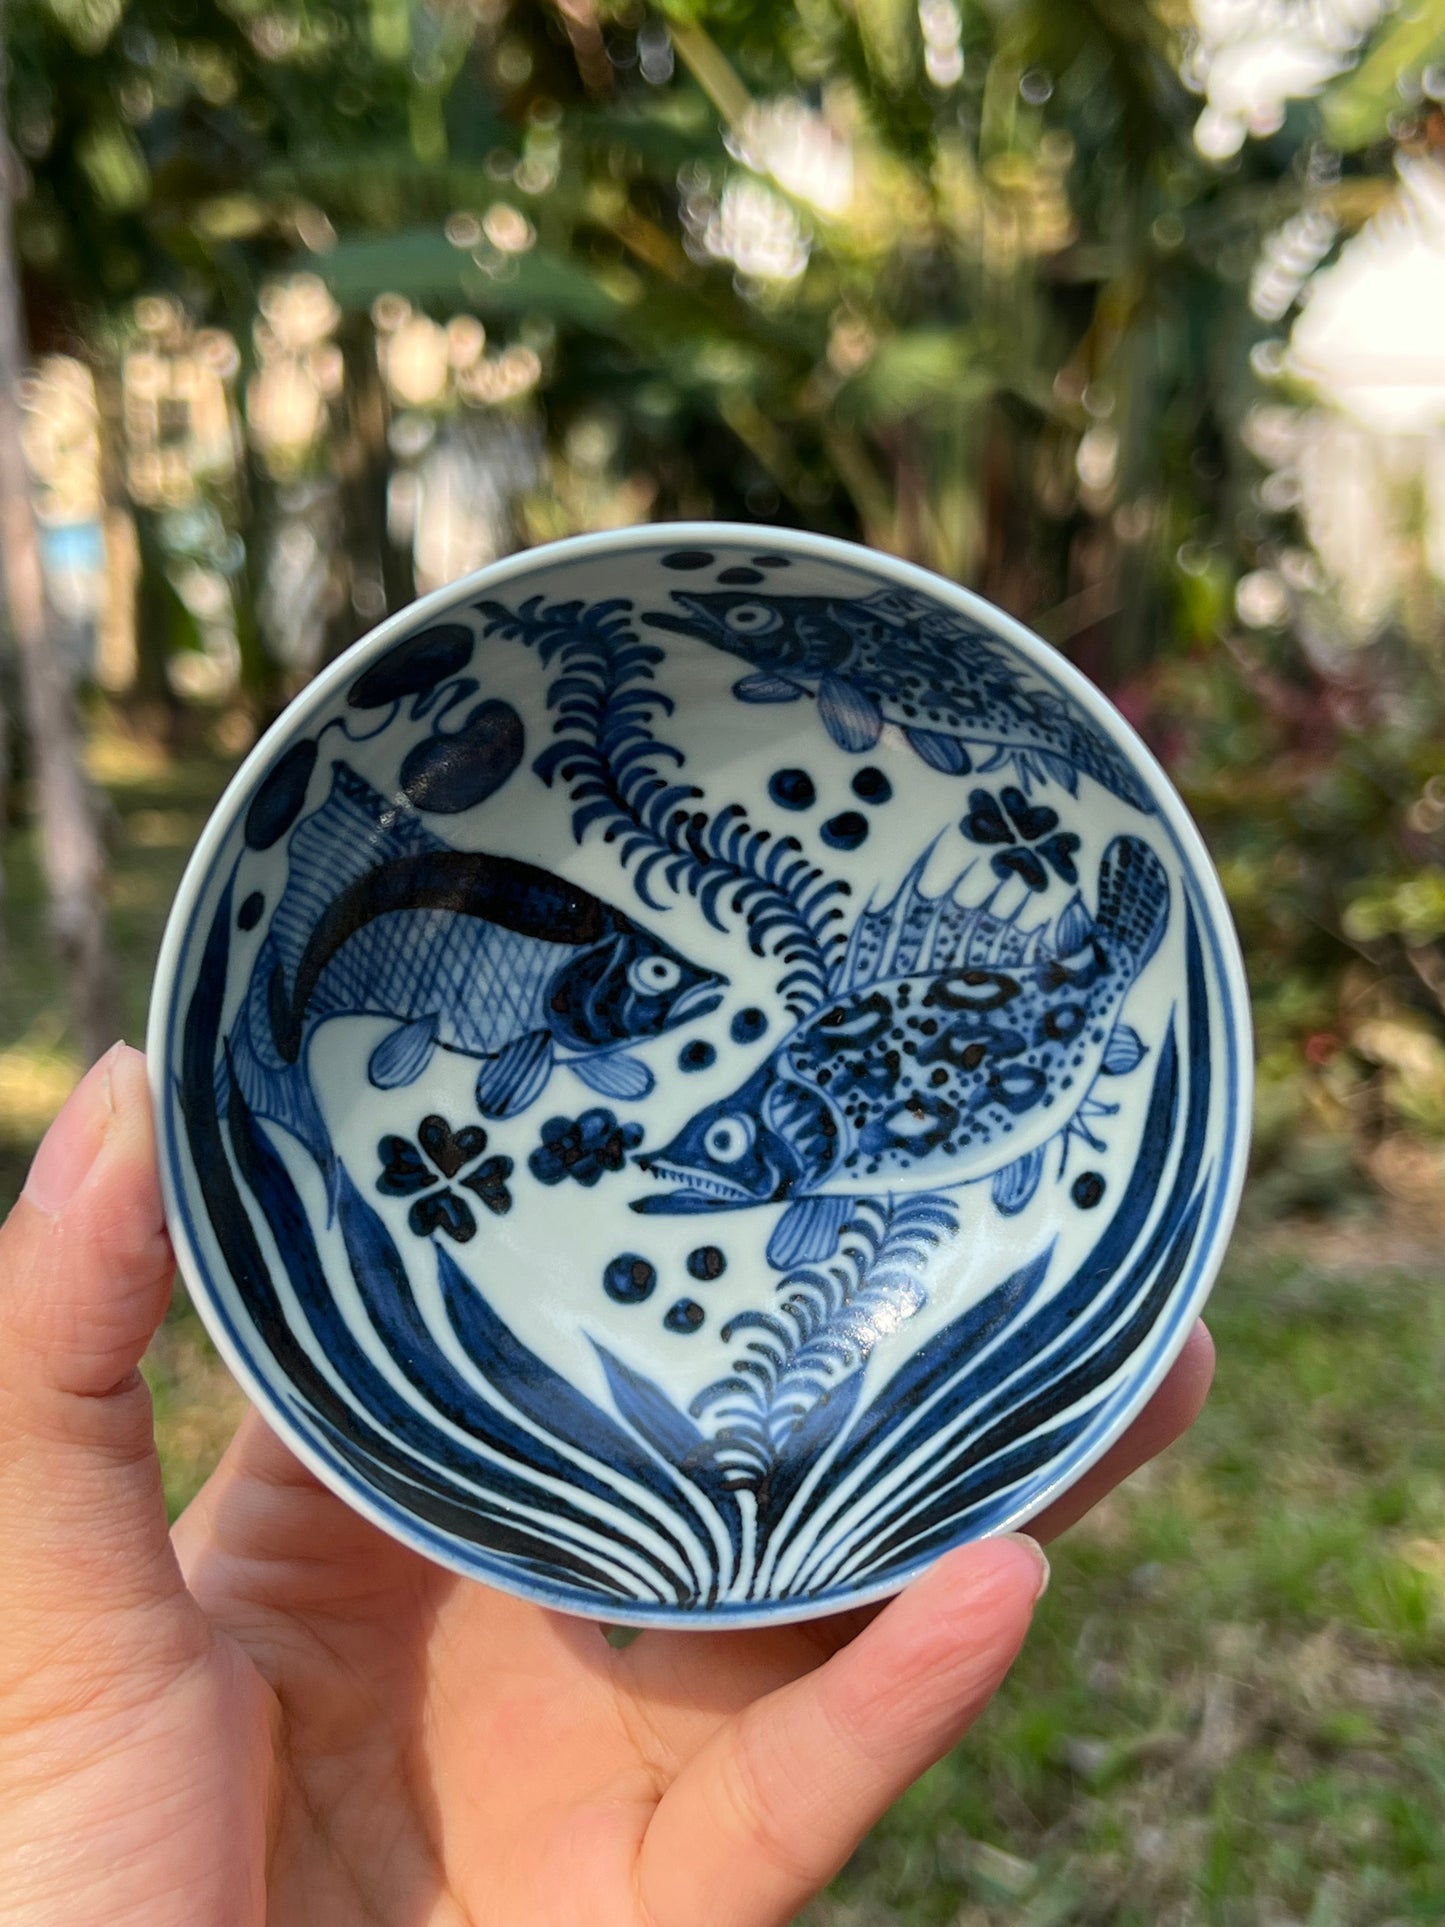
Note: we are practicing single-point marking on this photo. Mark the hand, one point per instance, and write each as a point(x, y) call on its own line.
point(278, 1714)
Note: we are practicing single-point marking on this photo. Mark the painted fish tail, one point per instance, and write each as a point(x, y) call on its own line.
point(352, 832)
point(272, 1088)
point(1133, 898)
point(1097, 757)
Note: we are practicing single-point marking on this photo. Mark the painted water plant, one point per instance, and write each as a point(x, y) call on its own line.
point(621, 778)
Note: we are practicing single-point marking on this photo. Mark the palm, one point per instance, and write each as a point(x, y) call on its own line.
point(283, 1716)
point(449, 1754)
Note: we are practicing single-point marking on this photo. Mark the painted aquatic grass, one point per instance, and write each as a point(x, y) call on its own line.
point(641, 1506)
point(605, 703)
point(829, 1319)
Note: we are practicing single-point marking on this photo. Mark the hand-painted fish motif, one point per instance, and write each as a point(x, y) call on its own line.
point(893, 658)
point(953, 1047)
point(478, 954)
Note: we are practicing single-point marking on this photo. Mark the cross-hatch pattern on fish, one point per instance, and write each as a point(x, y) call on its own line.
point(464, 951)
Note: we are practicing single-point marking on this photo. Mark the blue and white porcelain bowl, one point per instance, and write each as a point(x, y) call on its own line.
point(696, 1070)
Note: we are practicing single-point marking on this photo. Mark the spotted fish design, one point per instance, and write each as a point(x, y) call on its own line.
point(892, 658)
point(467, 952)
point(954, 1046)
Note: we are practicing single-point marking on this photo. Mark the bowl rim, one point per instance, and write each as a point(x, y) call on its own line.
point(1217, 930)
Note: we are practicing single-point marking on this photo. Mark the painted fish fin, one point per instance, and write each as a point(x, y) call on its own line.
point(762, 688)
point(940, 752)
point(353, 832)
point(873, 945)
point(1123, 1052)
point(850, 715)
point(1133, 897)
point(1096, 756)
point(1015, 1185)
point(283, 1094)
point(614, 1075)
point(403, 1054)
point(1074, 928)
point(1060, 769)
point(808, 1231)
point(508, 1083)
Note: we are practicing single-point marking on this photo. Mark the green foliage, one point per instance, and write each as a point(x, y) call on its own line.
point(1359, 109)
point(1001, 325)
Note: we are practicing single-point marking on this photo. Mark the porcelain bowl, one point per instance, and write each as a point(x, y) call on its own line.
point(697, 1069)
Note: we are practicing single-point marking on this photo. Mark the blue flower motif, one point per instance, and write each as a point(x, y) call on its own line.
point(1025, 824)
point(424, 1171)
point(583, 1148)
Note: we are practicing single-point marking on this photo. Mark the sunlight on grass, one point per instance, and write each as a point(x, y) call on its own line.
point(116, 759)
point(161, 830)
point(198, 1405)
point(36, 1077)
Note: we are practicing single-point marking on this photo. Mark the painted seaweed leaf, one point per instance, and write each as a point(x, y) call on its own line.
point(623, 780)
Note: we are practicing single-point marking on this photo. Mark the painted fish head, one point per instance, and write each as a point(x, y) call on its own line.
point(629, 987)
point(801, 635)
point(772, 1139)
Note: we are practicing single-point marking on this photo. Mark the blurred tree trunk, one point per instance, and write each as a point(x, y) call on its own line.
point(71, 851)
point(263, 682)
point(376, 577)
point(162, 622)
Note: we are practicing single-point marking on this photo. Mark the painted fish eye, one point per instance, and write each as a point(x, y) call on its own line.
point(728, 1139)
point(752, 619)
point(654, 976)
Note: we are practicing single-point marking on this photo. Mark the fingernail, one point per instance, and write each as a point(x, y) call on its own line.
point(72, 1144)
point(1040, 1558)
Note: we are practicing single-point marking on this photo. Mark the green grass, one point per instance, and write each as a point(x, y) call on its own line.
point(1232, 1709)
point(156, 806)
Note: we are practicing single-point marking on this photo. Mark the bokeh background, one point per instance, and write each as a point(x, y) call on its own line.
point(1128, 313)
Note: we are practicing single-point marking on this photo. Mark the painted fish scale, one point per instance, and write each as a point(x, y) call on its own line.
point(981, 683)
point(955, 1045)
point(411, 962)
point(962, 1071)
point(895, 659)
point(464, 951)
point(425, 961)
point(338, 843)
point(981, 700)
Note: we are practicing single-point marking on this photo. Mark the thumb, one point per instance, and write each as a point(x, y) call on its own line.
point(780, 1796)
point(85, 1273)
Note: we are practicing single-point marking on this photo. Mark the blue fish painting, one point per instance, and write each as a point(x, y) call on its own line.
point(482, 955)
point(954, 1046)
point(888, 658)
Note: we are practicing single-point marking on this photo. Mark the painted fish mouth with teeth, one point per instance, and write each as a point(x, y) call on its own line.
point(697, 1190)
